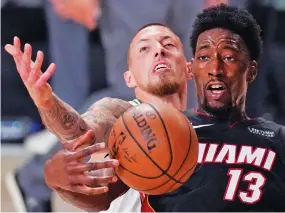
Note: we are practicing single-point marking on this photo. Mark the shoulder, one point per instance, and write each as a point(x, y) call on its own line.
point(108, 102)
point(277, 130)
point(114, 106)
point(135, 102)
point(190, 114)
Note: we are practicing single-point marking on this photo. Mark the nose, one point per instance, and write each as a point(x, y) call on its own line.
point(216, 68)
point(160, 51)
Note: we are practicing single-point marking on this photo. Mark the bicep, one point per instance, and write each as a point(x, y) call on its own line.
point(116, 107)
point(102, 115)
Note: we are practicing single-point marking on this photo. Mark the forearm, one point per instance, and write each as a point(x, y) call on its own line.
point(63, 120)
point(84, 202)
point(94, 203)
point(68, 125)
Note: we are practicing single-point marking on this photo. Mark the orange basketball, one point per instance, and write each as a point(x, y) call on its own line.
point(156, 146)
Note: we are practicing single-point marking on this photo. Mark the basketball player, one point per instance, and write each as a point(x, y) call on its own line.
point(241, 160)
point(157, 71)
point(241, 163)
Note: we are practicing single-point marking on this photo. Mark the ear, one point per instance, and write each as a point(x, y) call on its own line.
point(129, 79)
point(189, 70)
point(252, 71)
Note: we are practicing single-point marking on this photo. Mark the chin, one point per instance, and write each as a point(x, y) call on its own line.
point(217, 108)
point(163, 89)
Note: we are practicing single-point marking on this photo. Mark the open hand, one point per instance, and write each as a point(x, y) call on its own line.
point(30, 72)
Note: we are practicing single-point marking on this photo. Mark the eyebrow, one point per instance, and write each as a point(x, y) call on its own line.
point(232, 47)
point(203, 46)
point(226, 46)
point(143, 39)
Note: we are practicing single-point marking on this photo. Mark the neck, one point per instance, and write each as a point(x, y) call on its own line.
point(233, 114)
point(177, 100)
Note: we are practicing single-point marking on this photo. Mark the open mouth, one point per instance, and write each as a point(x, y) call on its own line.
point(216, 88)
point(161, 67)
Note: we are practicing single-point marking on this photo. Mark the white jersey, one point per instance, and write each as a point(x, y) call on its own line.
point(130, 201)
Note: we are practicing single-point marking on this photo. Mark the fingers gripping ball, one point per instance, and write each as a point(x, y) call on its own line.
point(156, 146)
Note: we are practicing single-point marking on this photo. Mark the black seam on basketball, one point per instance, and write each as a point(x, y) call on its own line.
point(162, 170)
point(167, 135)
point(151, 189)
point(190, 170)
point(146, 177)
point(189, 148)
point(192, 167)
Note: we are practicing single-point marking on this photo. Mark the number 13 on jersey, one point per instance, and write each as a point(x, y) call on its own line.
point(256, 181)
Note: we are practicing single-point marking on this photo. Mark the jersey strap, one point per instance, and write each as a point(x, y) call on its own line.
point(135, 102)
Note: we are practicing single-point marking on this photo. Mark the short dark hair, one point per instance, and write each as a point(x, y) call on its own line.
point(151, 24)
point(231, 18)
point(143, 27)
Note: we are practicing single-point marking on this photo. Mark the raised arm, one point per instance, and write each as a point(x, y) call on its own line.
point(59, 117)
point(79, 188)
point(68, 125)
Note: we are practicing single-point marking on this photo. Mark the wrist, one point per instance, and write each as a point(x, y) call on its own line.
point(47, 103)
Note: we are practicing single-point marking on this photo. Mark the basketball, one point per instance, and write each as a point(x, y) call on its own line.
point(156, 146)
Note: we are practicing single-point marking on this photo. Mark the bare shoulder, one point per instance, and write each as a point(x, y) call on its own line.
point(114, 106)
point(102, 115)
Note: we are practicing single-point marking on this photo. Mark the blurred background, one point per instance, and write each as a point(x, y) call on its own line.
point(88, 41)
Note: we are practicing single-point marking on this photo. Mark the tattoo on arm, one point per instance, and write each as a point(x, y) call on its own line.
point(102, 115)
point(64, 121)
point(68, 125)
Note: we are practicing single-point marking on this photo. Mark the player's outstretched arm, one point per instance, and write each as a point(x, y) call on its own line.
point(59, 117)
point(68, 125)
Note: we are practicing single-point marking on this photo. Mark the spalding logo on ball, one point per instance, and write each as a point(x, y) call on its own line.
point(156, 146)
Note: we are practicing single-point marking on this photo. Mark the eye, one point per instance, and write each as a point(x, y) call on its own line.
point(169, 45)
point(143, 49)
point(229, 58)
point(203, 58)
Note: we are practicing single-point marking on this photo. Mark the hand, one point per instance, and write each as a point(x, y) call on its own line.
point(66, 169)
point(30, 72)
point(211, 3)
point(85, 12)
point(88, 203)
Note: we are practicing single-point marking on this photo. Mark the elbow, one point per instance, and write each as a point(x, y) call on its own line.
point(47, 174)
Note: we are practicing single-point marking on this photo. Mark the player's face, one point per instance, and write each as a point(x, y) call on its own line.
point(157, 63)
point(222, 70)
